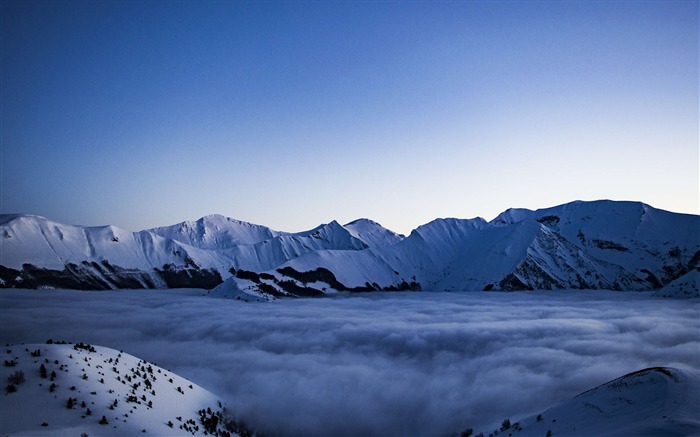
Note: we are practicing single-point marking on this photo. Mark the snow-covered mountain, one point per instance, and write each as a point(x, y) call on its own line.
point(36, 252)
point(216, 232)
point(80, 389)
point(579, 245)
point(372, 233)
point(659, 401)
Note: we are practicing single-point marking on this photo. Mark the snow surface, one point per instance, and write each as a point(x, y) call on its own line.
point(134, 396)
point(372, 233)
point(650, 402)
point(687, 285)
point(216, 232)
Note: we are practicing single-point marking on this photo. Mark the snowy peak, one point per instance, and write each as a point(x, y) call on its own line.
point(372, 233)
point(623, 214)
point(654, 245)
point(512, 215)
point(445, 229)
point(37, 240)
point(335, 236)
point(216, 232)
point(36, 252)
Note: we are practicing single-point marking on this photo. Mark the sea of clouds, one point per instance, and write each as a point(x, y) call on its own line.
point(379, 363)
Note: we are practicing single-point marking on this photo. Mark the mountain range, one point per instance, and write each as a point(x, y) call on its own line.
point(604, 244)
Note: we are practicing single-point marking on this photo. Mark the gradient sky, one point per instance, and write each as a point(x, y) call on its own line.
point(291, 114)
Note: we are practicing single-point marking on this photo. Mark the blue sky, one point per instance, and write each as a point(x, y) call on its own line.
point(290, 114)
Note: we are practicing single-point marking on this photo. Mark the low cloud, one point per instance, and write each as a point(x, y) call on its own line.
point(375, 364)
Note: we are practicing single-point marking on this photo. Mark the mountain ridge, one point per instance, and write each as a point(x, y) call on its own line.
point(602, 244)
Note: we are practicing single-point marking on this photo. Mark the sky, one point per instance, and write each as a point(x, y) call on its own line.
point(411, 364)
point(292, 114)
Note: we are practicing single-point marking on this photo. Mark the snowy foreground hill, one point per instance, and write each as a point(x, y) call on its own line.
point(579, 245)
point(66, 389)
point(658, 401)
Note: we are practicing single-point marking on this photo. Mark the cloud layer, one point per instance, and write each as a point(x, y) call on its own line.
point(375, 364)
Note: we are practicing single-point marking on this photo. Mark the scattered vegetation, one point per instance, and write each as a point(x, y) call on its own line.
point(86, 347)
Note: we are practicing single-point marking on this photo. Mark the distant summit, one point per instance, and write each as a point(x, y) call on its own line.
point(579, 245)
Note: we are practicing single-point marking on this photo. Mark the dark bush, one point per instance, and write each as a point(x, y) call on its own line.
point(16, 378)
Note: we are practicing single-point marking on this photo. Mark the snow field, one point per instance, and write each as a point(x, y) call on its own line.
point(75, 389)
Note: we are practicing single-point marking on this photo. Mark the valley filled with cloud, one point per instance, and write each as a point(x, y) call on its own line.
point(375, 363)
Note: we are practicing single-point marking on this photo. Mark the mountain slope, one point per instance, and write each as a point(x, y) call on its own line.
point(658, 401)
point(74, 389)
point(372, 233)
point(655, 245)
point(35, 251)
point(687, 285)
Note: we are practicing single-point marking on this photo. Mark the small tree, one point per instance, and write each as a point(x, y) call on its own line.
point(467, 432)
point(70, 403)
point(16, 378)
point(103, 421)
point(42, 371)
point(505, 425)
